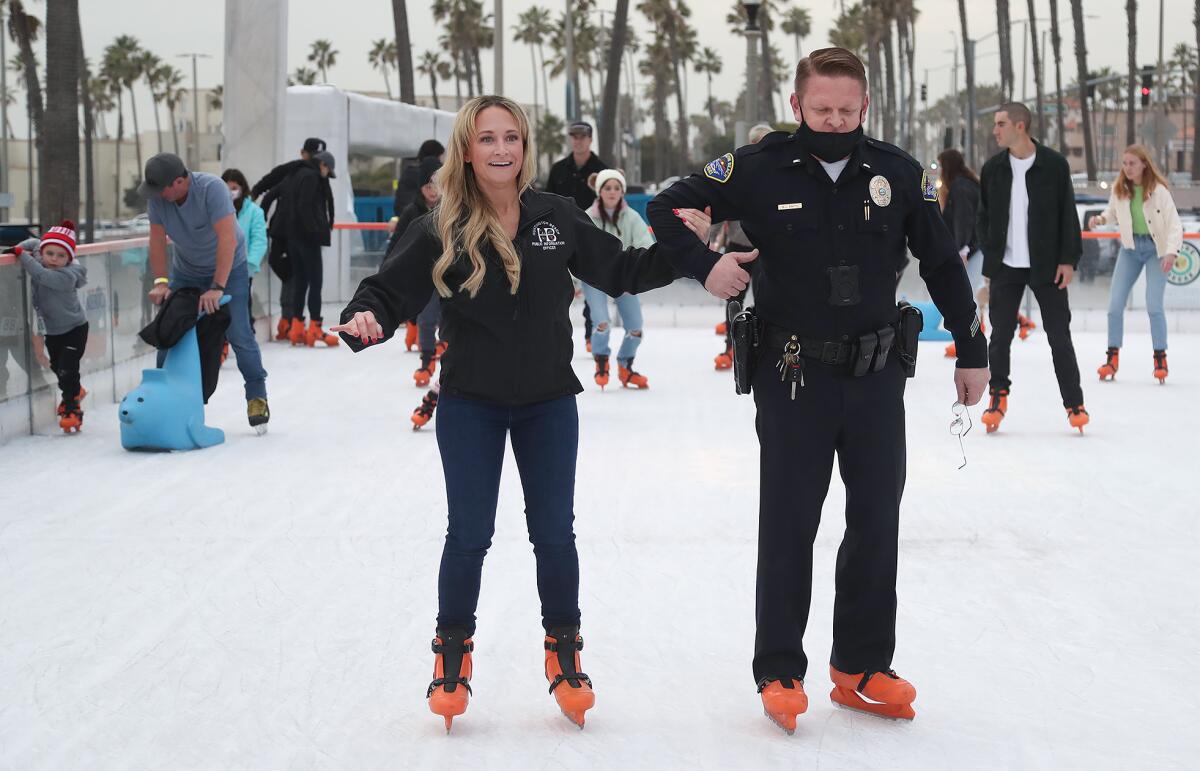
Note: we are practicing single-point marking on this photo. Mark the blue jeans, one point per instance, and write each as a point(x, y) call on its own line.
point(1130, 263)
point(975, 272)
point(545, 440)
point(630, 309)
point(241, 332)
point(428, 321)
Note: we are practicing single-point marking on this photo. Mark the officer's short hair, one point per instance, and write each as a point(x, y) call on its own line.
point(1017, 113)
point(830, 62)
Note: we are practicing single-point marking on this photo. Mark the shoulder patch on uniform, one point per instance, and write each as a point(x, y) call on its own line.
point(928, 187)
point(721, 169)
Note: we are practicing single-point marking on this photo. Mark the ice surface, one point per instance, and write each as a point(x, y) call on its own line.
point(268, 604)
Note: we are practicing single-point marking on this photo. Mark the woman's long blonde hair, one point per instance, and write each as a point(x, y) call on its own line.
point(1151, 176)
point(464, 217)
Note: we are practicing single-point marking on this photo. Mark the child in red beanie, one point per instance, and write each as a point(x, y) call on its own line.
point(55, 275)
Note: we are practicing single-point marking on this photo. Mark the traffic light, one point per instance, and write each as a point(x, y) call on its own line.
point(1147, 85)
point(924, 93)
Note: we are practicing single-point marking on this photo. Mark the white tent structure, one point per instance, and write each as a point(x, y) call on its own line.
point(266, 122)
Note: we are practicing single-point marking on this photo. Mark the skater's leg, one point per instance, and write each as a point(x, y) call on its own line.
point(427, 324)
point(597, 304)
point(1125, 273)
point(871, 458)
point(1007, 289)
point(1055, 306)
point(587, 320)
point(545, 440)
point(630, 308)
point(241, 335)
point(1156, 286)
point(297, 251)
point(470, 438)
point(796, 440)
point(66, 351)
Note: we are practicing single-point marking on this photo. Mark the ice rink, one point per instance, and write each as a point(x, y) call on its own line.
point(268, 603)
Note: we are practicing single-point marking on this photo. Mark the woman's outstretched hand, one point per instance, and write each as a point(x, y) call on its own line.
point(363, 326)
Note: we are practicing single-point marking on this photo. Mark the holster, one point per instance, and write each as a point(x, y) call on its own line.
point(744, 332)
point(909, 327)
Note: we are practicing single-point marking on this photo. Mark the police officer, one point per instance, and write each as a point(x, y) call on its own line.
point(831, 212)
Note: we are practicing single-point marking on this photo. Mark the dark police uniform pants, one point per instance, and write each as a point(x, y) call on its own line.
point(862, 420)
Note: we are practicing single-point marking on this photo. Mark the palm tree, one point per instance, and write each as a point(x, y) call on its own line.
point(1004, 38)
point(1196, 100)
point(323, 55)
point(403, 52)
point(612, 81)
point(671, 16)
point(529, 32)
point(100, 95)
point(151, 67)
point(709, 64)
point(305, 76)
point(23, 28)
point(432, 66)
point(110, 76)
point(549, 136)
point(1084, 108)
point(381, 57)
point(797, 22)
point(172, 91)
point(657, 66)
point(121, 58)
point(216, 98)
point(1184, 60)
point(1056, 44)
point(1039, 90)
point(89, 137)
point(59, 150)
point(1131, 27)
point(970, 67)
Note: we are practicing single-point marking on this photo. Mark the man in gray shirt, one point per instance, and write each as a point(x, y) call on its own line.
point(196, 211)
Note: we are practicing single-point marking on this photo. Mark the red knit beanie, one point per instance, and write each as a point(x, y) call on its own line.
point(63, 235)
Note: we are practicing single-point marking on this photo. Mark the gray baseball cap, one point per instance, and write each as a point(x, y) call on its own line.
point(161, 171)
point(326, 158)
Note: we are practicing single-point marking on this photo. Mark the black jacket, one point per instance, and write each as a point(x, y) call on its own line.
point(505, 348)
point(277, 183)
point(1053, 221)
point(305, 206)
point(181, 312)
point(962, 205)
point(568, 180)
point(406, 217)
point(809, 229)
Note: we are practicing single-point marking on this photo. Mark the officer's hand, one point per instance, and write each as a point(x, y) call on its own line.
point(211, 300)
point(1064, 275)
point(971, 384)
point(727, 278)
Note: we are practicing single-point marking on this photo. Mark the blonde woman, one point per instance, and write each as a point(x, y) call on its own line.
point(501, 256)
point(1151, 236)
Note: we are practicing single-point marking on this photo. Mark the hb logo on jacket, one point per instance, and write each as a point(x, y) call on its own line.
point(546, 235)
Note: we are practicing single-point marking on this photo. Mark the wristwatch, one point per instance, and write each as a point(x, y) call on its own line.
point(217, 286)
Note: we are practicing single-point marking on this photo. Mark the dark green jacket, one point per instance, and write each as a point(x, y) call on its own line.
point(1053, 221)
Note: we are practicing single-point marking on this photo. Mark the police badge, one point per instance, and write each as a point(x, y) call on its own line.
point(881, 190)
point(721, 169)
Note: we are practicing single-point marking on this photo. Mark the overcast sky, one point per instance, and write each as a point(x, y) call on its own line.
point(171, 28)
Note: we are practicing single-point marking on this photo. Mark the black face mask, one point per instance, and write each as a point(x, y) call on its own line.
point(829, 146)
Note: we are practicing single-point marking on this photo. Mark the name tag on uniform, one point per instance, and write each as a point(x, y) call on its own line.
point(789, 206)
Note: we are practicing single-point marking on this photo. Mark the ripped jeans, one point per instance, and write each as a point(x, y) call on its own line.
point(630, 308)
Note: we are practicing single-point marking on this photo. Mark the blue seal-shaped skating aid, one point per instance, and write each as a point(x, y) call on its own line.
point(166, 412)
point(933, 329)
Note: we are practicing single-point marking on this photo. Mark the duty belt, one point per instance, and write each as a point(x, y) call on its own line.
point(833, 353)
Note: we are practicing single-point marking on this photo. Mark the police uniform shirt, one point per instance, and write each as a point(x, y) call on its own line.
point(809, 229)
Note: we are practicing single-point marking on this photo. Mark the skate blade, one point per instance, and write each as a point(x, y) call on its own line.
point(783, 722)
point(575, 717)
point(260, 429)
point(449, 722)
point(855, 703)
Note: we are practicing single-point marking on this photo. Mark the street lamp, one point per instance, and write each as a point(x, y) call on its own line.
point(751, 32)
